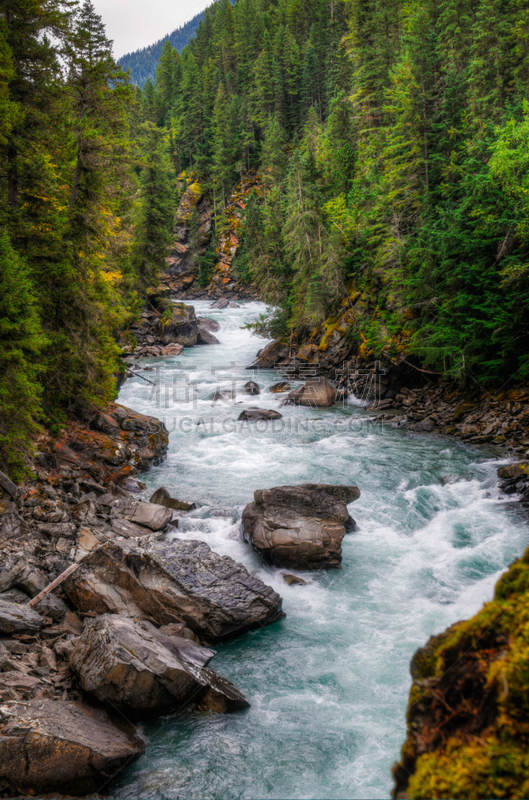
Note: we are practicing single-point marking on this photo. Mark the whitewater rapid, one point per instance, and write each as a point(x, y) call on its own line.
point(329, 684)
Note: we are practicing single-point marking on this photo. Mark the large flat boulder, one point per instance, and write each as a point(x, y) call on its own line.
point(144, 672)
point(61, 746)
point(176, 581)
point(148, 515)
point(316, 392)
point(16, 618)
point(300, 527)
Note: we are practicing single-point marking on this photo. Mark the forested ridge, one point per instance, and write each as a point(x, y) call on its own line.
point(390, 140)
point(142, 63)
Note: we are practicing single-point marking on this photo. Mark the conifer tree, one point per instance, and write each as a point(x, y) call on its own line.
point(157, 194)
point(21, 342)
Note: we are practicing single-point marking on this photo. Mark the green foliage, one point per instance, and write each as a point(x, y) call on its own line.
point(21, 343)
point(73, 220)
point(157, 195)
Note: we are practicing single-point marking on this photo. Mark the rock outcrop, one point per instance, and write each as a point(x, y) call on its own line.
point(144, 672)
point(273, 354)
point(53, 746)
point(300, 527)
point(193, 234)
point(178, 581)
point(514, 479)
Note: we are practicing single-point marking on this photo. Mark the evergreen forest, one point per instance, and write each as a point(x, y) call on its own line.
point(391, 138)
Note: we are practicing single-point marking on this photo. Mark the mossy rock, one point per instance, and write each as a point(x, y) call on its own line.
point(468, 715)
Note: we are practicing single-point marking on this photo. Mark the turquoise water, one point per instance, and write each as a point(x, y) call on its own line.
point(328, 685)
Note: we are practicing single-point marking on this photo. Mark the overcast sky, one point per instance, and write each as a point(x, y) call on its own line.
point(137, 23)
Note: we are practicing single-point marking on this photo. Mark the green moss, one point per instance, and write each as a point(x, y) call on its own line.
point(491, 651)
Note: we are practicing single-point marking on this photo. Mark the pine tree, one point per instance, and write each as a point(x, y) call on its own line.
point(154, 230)
point(21, 342)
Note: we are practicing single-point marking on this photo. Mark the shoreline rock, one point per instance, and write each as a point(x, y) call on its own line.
point(179, 581)
point(144, 672)
point(61, 746)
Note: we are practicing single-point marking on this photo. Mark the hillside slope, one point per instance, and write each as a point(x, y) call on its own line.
point(142, 63)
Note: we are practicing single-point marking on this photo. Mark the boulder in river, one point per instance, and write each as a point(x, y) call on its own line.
point(161, 497)
point(180, 581)
point(182, 327)
point(316, 392)
point(257, 414)
point(206, 337)
point(252, 388)
point(61, 746)
point(276, 351)
point(208, 323)
point(143, 671)
point(278, 388)
point(300, 527)
point(222, 303)
point(148, 515)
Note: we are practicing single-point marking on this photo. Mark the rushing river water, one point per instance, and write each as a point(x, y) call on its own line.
point(329, 684)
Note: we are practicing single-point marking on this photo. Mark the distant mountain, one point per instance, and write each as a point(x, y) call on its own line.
point(142, 63)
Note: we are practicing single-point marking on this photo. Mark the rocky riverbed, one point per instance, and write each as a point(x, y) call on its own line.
point(120, 636)
point(127, 635)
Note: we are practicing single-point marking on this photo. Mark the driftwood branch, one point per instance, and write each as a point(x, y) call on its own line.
point(426, 371)
point(53, 585)
point(137, 375)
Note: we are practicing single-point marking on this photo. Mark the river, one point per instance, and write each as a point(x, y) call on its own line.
point(329, 684)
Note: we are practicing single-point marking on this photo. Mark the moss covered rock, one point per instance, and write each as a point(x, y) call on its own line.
point(468, 712)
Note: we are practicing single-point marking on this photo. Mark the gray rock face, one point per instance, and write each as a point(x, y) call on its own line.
point(205, 336)
point(148, 515)
point(15, 618)
point(162, 497)
point(144, 672)
point(7, 484)
point(252, 388)
point(316, 392)
point(300, 527)
point(276, 351)
point(178, 581)
point(209, 324)
point(182, 327)
point(65, 747)
point(222, 303)
point(256, 414)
